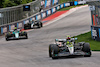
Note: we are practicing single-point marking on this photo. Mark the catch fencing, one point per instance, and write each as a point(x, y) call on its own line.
point(37, 16)
point(13, 14)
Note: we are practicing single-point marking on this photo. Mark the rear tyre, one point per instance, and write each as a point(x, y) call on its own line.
point(26, 36)
point(25, 26)
point(55, 50)
point(87, 50)
point(39, 25)
point(29, 26)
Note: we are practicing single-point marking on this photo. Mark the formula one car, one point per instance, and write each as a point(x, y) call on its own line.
point(16, 34)
point(33, 24)
point(63, 47)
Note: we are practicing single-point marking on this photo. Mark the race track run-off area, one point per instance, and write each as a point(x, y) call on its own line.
point(33, 52)
point(58, 13)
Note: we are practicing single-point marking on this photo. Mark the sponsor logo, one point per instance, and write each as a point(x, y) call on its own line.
point(94, 33)
point(20, 25)
point(48, 2)
point(12, 27)
point(55, 1)
point(27, 21)
point(4, 29)
point(92, 8)
point(42, 3)
point(39, 17)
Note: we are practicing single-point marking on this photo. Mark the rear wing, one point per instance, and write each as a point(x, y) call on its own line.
point(65, 40)
point(60, 40)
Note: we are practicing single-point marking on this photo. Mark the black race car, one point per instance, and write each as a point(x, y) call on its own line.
point(33, 24)
point(16, 34)
point(63, 47)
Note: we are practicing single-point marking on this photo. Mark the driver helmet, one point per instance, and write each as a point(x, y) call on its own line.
point(15, 28)
point(68, 37)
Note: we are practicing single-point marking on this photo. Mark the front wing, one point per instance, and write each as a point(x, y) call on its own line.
point(20, 37)
point(68, 53)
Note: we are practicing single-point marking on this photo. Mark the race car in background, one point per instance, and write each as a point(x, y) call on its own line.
point(33, 24)
point(63, 47)
point(16, 34)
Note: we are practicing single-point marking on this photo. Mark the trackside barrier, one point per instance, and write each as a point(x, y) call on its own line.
point(38, 16)
point(95, 32)
point(81, 2)
point(16, 13)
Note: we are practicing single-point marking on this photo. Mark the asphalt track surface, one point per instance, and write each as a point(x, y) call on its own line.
point(33, 52)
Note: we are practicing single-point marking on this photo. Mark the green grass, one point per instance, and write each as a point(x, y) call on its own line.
point(67, 8)
point(86, 37)
point(63, 1)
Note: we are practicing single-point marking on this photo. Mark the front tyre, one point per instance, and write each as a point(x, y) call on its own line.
point(55, 50)
point(87, 50)
point(39, 25)
point(24, 34)
point(50, 50)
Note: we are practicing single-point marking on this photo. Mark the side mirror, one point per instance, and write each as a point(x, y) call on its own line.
point(76, 38)
point(56, 39)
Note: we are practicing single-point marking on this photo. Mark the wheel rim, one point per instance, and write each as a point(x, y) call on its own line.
point(52, 52)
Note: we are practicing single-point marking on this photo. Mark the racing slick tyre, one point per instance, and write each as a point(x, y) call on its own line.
point(27, 26)
point(26, 36)
point(50, 49)
point(7, 38)
point(87, 50)
point(39, 25)
point(55, 50)
point(33, 27)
